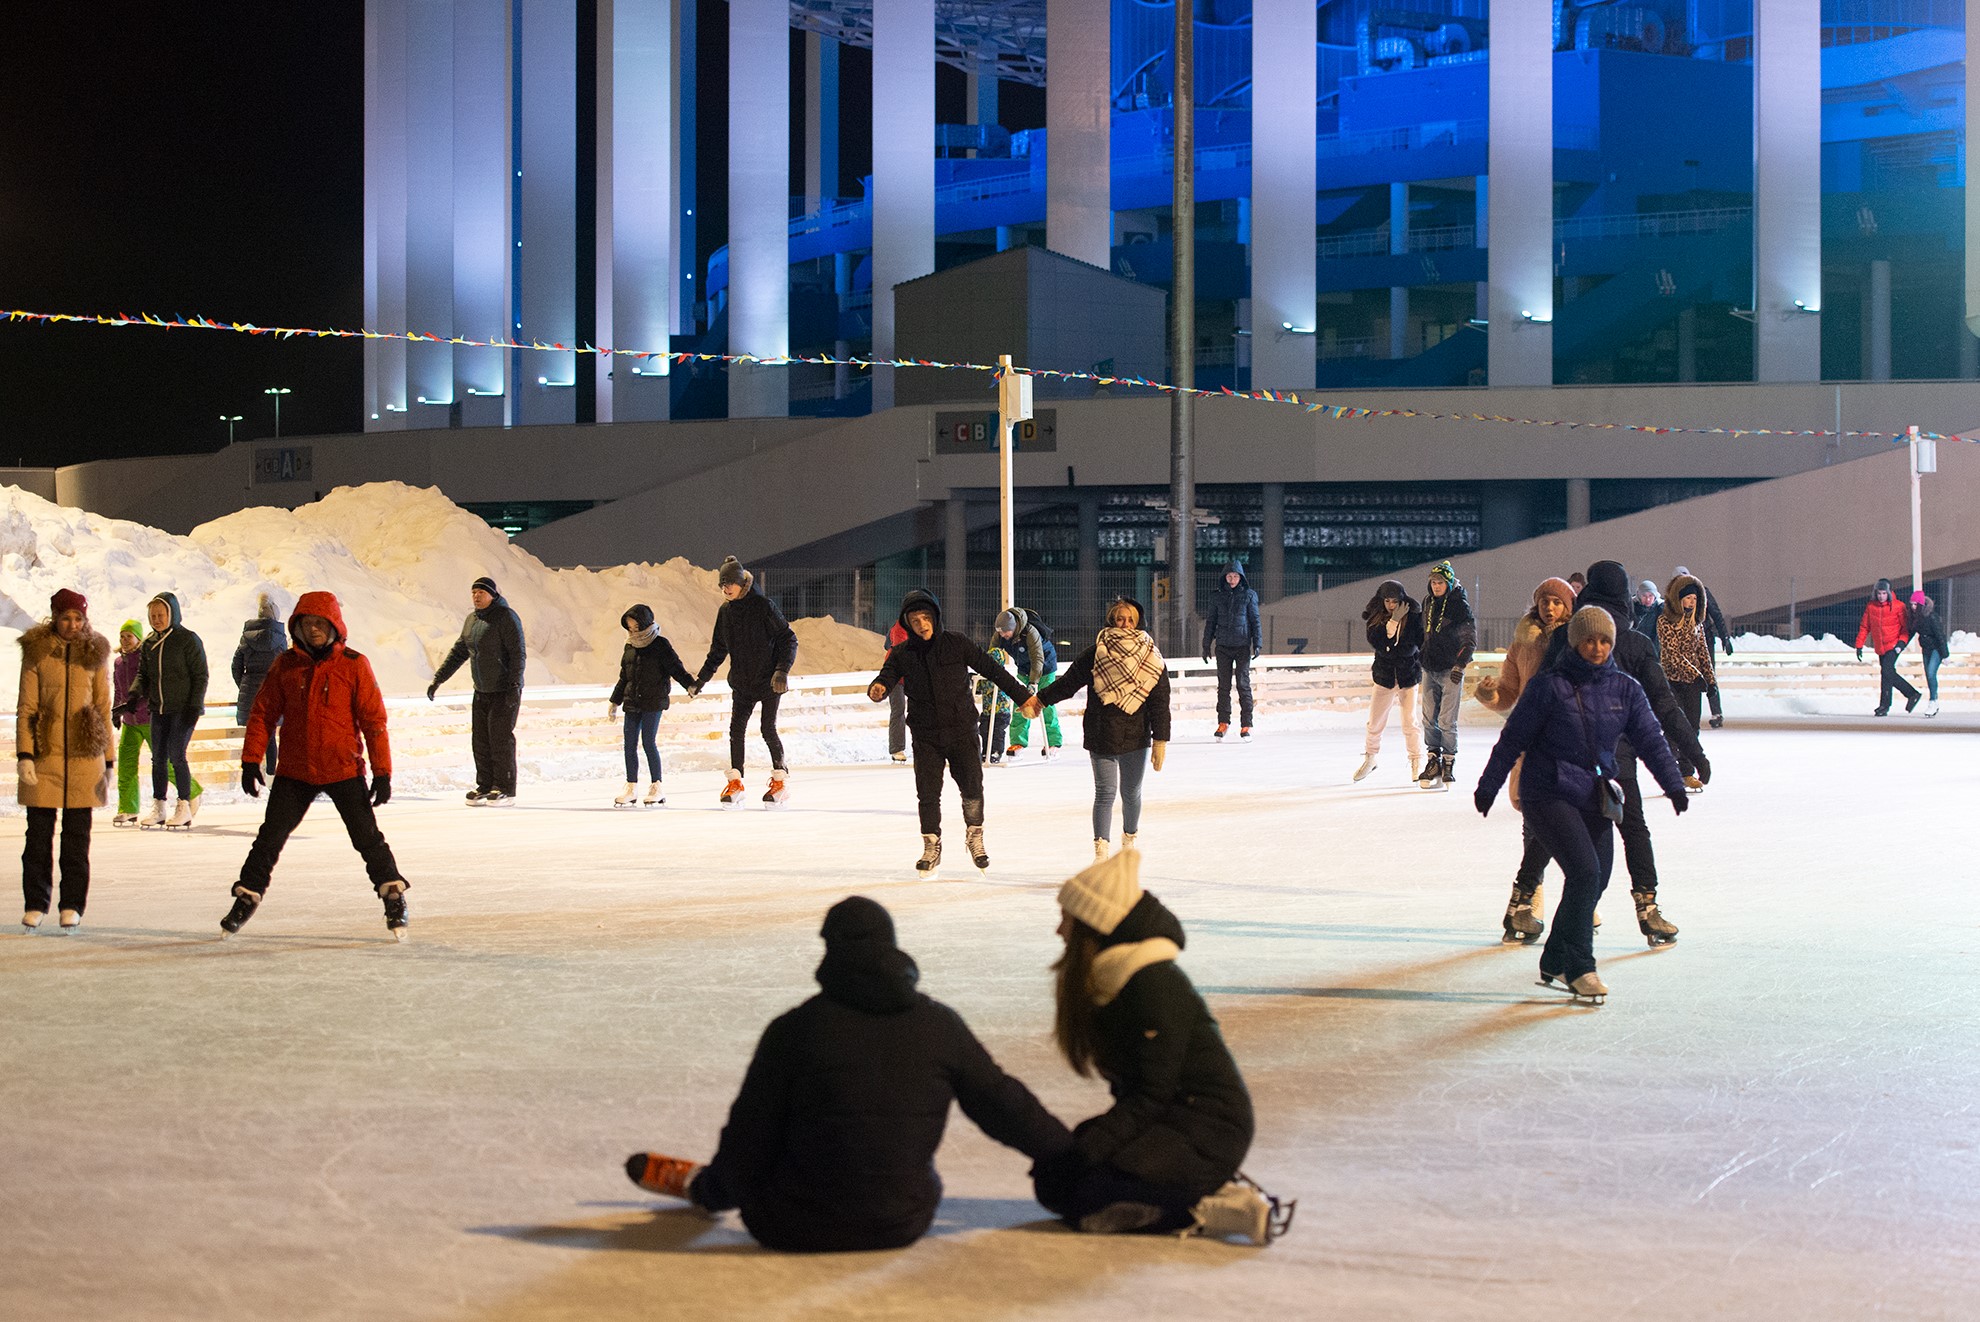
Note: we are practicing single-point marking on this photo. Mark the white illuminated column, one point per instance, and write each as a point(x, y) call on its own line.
point(1971, 309)
point(483, 175)
point(547, 290)
point(821, 121)
point(759, 202)
point(1519, 266)
point(1284, 271)
point(1787, 190)
point(903, 165)
point(385, 131)
point(635, 283)
point(1079, 215)
point(429, 184)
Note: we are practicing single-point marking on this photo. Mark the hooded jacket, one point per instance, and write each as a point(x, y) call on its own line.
point(491, 643)
point(261, 642)
point(1106, 729)
point(329, 707)
point(1566, 725)
point(132, 708)
point(1030, 645)
point(836, 1126)
point(172, 668)
point(1398, 661)
point(1181, 1115)
point(1232, 620)
point(63, 717)
point(935, 675)
point(1636, 656)
point(1929, 628)
point(752, 635)
point(1450, 632)
point(1681, 645)
point(1886, 625)
point(646, 674)
point(1528, 652)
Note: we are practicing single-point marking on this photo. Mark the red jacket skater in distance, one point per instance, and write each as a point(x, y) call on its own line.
point(325, 707)
point(1886, 624)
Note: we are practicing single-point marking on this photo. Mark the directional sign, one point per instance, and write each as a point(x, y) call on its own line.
point(976, 432)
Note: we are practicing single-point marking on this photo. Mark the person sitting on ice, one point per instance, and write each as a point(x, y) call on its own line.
point(830, 1145)
point(325, 699)
point(933, 666)
point(1165, 1157)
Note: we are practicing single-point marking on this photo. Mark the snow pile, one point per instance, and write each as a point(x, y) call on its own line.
point(399, 558)
point(1960, 641)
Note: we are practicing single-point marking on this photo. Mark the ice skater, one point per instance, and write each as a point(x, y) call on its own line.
point(1565, 727)
point(133, 722)
point(1164, 1158)
point(1126, 726)
point(1686, 656)
point(1716, 634)
point(1887, 628)
point(933, 667)
point(647, 671)
point(1929, 628)
point(491, 645)
point(760, 647)
point(262, 640)
point(1029, 641)
point(1232, 637)
point(171, 683)
point(1449, 637)
point(62, 750)
point(327, 702)
point(897, 740)
point(993, 724)
point(830, 1144)
point(1395, 630)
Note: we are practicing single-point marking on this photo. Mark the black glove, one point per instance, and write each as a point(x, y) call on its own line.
point(432, 689)
point(1727, 643)
point(1206, 658)
point(1255, 652)
point(780, 682)
point(1703, 768)
point(1457, 675)
point(381, 790)
point(1859, 654)
point(1899, 649)
point(1680, 802)
point(694, 689)
point(251, 779)
point(1482, 801)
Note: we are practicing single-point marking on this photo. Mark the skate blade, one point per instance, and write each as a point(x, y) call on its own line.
point(1517, 939)
point(933, 874)
point(399, 934)
point(1576, 998)
point(1659, 942)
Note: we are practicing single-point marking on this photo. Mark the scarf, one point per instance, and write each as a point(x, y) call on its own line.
point(643, 637)
point(1113, 966)
point(1126, 668)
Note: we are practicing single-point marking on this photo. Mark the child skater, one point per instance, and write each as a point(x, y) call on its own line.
point(62, 743)
point(995, 723)
point(933, 665)
point(325, 699)
point(830, 1145)
point(646, 675)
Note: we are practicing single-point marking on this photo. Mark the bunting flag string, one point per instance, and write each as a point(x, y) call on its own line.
point(1335, 412)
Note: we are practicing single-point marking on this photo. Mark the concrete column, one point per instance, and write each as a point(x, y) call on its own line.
point(955, 569)
point(903, 165)
point(484, 182)
point(1577, 502)
point(1272, 542)
point(1398, 247)
point(1481, 232)
point(980, 96)
point(821, 121)
point(1520, 263)
point(635, 284)
point(1971, 308)
point(429, 210)
point(1787, 189)
point(385, 134)
point(1089, 559)
point(1877, 304)
point(547, 259)
point(1687, 331)
point(759, 203)
point(1079, 217)
point(1284, 271)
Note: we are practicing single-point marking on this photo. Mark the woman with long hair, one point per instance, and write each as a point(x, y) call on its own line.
point(1395, 631)
point(1686, 657)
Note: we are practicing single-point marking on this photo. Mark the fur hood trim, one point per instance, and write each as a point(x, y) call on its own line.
point(1673, 603)
point(40, 642)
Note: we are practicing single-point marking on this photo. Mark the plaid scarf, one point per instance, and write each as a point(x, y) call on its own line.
point(1126, 668)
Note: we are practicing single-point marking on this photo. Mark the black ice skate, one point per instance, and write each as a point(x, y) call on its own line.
point(930, 862)
point(1447, 770)
point(394, 895)
point(1522, 921)
point(1432, 775)
point(1650, 920)
point(245, 903)
point(974, 838)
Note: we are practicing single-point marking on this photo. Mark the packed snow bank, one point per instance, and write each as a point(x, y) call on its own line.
point(1961, 641)
point(399, 558)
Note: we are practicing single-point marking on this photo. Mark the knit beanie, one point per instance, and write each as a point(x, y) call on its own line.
point(1104, 893)
point(1591, 622)
point(486, 584)
point(1918, 598)
point(68, 599)
point(1647, 586)
point(1442, 569)
point(1554, 587)
point(855, 919)
point(133, 628)
point(731, 572)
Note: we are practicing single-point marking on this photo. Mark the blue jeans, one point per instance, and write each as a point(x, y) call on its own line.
point(1441, 695)
point(170, 736)
point(1582, 843)
point(1117, 773)
point(1932, 660)
point(642, 729)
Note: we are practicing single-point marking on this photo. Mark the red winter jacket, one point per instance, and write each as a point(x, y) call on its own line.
point(1886, 626)
point(324, 707)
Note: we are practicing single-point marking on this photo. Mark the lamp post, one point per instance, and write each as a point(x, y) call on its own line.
point(278, 392)
point(230, 419)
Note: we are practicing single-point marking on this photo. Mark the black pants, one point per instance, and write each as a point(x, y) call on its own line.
point(495, 740)
point(740, 707)
point(777, 1221)
point(38, 858)
point(1233, 663)
point(991, 731)
point(1887, 663)
point(1581, 842)
point(963, 756)
point(171, 736)
point(1690, 694)
point(1073, 1194)
point(289, 800)
point(1638, 855)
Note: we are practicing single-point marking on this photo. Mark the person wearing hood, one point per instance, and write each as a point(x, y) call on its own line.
point(994, 710)
point(1395, 630)
point(1029, 641)
point(1929, 628)
point(1686, 657)
point(326, 700)
point(647, 672)
point(1231, 634)
point(1164, 1157)
point(1716, 634)
point(1450, 636)
point(491, 646)
point(133, 720)
point(1565, 727)
point(1887, 628)
point(752, 635)
point(1648, 606)
point(933, 667)
point(1126, 717)
point(830, 1143)
point(62, 750)
point(262, 640)
point(171, 683)
point(897, 704)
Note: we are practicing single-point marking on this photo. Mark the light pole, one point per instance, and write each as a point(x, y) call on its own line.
point(278, 392)
point(230, 419)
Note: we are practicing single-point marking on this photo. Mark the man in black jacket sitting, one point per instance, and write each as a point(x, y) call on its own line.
point(830, 1145)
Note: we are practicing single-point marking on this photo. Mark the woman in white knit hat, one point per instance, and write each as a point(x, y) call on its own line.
point(1165, 1157)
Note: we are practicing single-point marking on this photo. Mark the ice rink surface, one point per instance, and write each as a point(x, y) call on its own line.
point(1779, 1117)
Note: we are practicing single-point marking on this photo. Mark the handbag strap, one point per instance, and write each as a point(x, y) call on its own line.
point(1588, 734)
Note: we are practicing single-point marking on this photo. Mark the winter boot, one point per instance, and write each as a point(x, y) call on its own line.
point(31, 921)
point(1432, 776)
point(973, 837)
point(1446, 768)
point(1241, 1210)
point(1127, 841)
point(777, 793)
point(626, 798)
point(1589, 990)
point(394, 895)
point(655, 796)
point(1522, 920)
point(1651, 922)
point(931, 856)
point(1100, 849)
point(660, 1174)
point(732, 792)
point(245, 903)
point(1223, 728)
point(182, 817)
point(156, 817)
point(1367, 765)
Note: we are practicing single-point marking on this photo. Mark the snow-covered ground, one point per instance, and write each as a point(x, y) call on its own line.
point(1773, 1118)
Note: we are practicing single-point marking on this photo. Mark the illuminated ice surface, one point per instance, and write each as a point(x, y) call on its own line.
point(1776, 1118)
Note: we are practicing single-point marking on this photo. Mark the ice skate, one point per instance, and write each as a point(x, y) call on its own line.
point(245, 903)
point(660, 1174)
point(732, 793)
point(778, 790)
point(1650, 920)
point(1415, 768)
point(1241, 1210)
point(1522, 920)
point(1127, 841)
point(1447, 771)
point(124, 819)
point(394, 895)
point(627, 797)
point(154, 818)
point(1100, 849)
point(929, 865)
point(182, 817)
point(192, 806)
point(1244, 732)
point(476, 795)
point(1048, 751)
point(71, 920)
point(655, 796)
point(1931, 708)
point(973, 837)
point(1911, 704)
point(1695, 785)
point(1223, 728)
point(497, 799)
point(1718, 722)
point(902, 757)
point(1367, 765)
point(1013, 750)
point(31, 921)
point(1588, 989)
point(1432, 775)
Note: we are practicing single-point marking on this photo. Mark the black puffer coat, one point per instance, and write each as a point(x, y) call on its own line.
point(1450, 634)
point(835, 1130)
point(1929, 628)
point(1637, 657)
point(261, 642)
point(753, 636)
point(646, 674)
point(1106, 729)
point(1181, 1114)
point(1398, 661)
point(171, 668)
point(935, 674)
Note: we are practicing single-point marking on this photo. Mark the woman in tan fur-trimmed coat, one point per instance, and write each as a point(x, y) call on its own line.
point(62, 743)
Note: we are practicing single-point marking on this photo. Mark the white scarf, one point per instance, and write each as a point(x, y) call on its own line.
point(642, 637)
point(1126, 668)
point(1113, 966)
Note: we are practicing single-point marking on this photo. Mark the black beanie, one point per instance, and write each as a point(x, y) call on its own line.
point(856, 919)
point(732, 572)
point(486, 584)
point(1608, 581)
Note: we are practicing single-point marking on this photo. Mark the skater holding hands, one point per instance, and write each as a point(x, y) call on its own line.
point(62, 748)
point(1887, 628)
point(1929, 628)
point(646, 675)
point(752, 636)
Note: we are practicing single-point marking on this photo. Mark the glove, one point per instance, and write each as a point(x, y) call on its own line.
point(1206, 658)
point(1160, 752)
point(251, 779)
point(1680, 802)
point(1727, 643)
point(381, 789)
point(876, 691)
point(694, 690)
point(1703, 768)
point(1899, 649)
point(432, 689)
point(1457, 675)
point(1859, 654)
point(116, 718)
point(780, 682)
point(29, 777)
point(1255, 652)
point(1482, 801)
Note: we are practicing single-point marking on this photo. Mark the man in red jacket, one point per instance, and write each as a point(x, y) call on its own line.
point(1887, 627)
point(327, 703)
